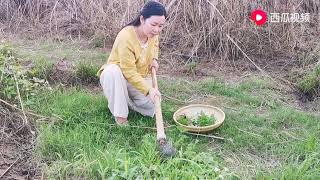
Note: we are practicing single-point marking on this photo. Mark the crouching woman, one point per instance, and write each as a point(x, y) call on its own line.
point(124, 77)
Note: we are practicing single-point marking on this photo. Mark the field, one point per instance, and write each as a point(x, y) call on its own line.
point(54, 119)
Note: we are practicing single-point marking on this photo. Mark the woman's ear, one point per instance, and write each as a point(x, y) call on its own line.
point(141, 19)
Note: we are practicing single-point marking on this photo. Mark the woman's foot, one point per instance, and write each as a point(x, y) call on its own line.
point(121, 121)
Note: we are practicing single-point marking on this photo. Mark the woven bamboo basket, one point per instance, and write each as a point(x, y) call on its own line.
point(192, 111)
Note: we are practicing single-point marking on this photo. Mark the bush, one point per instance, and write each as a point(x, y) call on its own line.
point(13, 76)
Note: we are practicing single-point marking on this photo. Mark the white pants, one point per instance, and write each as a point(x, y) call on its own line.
point(121, 95)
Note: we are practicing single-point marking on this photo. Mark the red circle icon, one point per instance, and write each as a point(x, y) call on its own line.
point(259, 17)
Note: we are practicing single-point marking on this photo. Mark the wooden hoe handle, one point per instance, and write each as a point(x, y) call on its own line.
point(159, 119)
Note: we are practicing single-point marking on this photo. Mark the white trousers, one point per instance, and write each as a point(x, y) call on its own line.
point(121, 95)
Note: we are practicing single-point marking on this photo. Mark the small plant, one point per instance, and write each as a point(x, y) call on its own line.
point(205, 120)
point(200, 121)
point(98, 41)
point(191, 67)
point(183, 120)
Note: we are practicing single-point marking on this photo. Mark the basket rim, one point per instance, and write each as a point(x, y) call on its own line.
point(197, 128)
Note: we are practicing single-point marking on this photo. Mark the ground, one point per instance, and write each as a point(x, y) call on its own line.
point(268, 132)
point(17, 158)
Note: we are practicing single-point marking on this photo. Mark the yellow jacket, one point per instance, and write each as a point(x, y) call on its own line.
point(132, 58)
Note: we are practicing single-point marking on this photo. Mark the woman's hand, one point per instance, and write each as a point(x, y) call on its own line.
point(153, 93)
point(154, 64)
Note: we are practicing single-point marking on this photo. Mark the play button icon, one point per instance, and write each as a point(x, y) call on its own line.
point(259, 17)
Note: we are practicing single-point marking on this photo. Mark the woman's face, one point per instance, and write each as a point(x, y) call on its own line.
point(152, 25)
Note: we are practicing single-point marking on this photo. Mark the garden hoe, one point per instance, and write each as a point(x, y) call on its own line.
point(165, 148)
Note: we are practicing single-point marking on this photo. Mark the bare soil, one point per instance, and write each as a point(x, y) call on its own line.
point(17, 144)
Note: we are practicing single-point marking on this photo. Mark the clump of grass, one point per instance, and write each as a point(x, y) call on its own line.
point(41, 69)
point(310, 83)
point(86, 73)
point(5, 51)
point(98, 41)
point(191, 67)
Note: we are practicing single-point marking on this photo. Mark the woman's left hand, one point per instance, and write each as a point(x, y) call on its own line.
point(154, 64)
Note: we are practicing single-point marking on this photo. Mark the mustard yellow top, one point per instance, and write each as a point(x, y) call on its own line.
point(133, 58)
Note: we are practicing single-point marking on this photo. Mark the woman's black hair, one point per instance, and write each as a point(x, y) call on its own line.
point(151, 8)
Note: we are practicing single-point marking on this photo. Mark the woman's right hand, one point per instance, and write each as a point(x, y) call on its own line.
point(153, 93)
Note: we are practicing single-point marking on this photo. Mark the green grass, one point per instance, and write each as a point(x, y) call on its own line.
point(297, 169)
point(86, 73)
point(86, 143)
point(240, 94)
point(310, 83)
point(42, 68)
point(54, 51)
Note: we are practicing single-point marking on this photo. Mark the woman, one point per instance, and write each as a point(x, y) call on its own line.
point(135, 50)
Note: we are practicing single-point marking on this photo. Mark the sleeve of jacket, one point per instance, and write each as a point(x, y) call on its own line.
point(128, 65)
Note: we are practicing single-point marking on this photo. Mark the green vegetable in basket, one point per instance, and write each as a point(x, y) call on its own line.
point(183, 120)
point(204, 120)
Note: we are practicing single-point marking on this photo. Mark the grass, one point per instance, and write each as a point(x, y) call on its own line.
point(86, 73)
point(307, 169)
point(86, 143)
point(309, 84)
point(42, 68)
point(241, 94)
point(53, 51)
